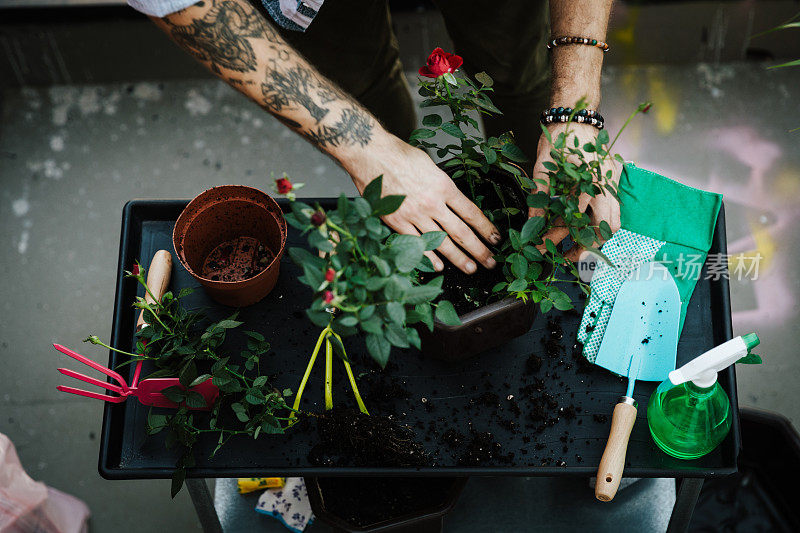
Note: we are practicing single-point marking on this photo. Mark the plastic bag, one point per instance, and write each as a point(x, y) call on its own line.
point(28, 506)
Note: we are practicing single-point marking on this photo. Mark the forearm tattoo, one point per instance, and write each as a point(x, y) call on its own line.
point(224, 38)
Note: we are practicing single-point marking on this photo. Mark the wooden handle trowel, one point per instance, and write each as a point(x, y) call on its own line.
point(640, 342)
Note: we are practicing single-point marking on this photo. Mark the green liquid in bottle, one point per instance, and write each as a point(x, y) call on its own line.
point(687, 421)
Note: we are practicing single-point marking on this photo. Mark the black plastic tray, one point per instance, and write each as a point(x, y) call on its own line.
point(571, 446)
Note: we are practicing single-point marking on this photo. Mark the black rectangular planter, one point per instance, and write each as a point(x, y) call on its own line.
point(482, 329)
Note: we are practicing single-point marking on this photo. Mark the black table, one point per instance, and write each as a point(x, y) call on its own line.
point(457, 396)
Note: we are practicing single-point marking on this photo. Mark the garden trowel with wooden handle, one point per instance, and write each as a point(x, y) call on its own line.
point(640, 342)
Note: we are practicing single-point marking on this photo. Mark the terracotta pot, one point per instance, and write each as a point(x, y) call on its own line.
point(223, 214)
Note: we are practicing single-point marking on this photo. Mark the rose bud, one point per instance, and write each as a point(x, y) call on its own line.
point(318, 218)
point(647, 107)
point(439, 63)
point(284, 185)
point(330, 274)
point(135, 269)
point(327, 296)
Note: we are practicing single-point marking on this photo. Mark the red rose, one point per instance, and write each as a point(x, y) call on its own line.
point(330, 274)
point(440, 62)
point(135, 269)
point(318, 218)
point(284, 185)
point(327, 296)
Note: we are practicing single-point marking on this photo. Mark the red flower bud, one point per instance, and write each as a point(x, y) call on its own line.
point(439, 63)
point(318, 218)
point(284, 185)
point(647, 107)
point(135, 269)
point(330, 274)
point(327, 297)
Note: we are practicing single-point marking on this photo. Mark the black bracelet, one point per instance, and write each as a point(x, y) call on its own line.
point(561, 41)
point(583, 116)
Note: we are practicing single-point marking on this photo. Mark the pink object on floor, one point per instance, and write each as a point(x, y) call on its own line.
point(27, 505)
point(148, 391)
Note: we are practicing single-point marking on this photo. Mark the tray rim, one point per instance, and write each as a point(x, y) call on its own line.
point(720, 303)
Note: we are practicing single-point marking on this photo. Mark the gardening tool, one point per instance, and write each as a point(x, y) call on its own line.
point(640, 342)
point(148, 391)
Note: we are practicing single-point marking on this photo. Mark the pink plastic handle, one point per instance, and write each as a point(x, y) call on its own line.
point(136, 373)
point(96, 396)
point(100, 368)
point(92, 381)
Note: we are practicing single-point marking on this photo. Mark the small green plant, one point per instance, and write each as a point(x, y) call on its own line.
point(177, 344)
point(365, 279)
point(533, 263)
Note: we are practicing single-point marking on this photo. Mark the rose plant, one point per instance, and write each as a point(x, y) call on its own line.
point(365, 280)
point(178, 343)
point(532, 263)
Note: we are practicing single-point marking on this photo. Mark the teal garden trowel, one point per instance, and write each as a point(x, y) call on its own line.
point(640, 342)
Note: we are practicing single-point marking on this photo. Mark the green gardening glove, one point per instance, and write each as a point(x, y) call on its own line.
point(661, 220)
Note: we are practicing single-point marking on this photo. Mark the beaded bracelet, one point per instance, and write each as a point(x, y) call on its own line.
point(583, 116)
point(560, 41)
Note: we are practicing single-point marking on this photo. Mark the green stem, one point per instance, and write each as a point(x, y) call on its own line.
point(101, 343)
point(350, 236)
point(625, 125)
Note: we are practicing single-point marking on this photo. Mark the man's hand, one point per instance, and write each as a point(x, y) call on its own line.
point(601, 207)
point(433, 203)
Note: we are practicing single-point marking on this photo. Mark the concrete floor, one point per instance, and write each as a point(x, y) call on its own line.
point(71, 156)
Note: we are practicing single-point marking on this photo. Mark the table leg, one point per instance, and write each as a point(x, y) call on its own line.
point(685, 500)
point(204, 505)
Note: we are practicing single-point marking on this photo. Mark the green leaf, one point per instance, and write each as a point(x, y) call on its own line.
point(519, 266)
point(602, 137)
point(539, 200)
point(379, 348)
point(155, 423)
point(195, 400)
point(396, 312)
point(518, 285)
point(605, 230)
point(383, 267)
point(200, 379)
point(794, 63)
point(550, 246)
point(446, 314)
point(388, 205)
point(421, 133)
point(178, 477)
point(531, 229)
point(348, 321)
point(338, 347)
point(229, 324)
point(419, 294)
point(484, 79)
point(514, 153)
point(424, 312)
point(545, 306)
point(407, 251)
point(454, 130)
point(396, 335)
point(489, 154)
point(260, 381)
point(372, 192)
point(433, 120)
point(433, 239)
point(174, 394)
point(255, 335)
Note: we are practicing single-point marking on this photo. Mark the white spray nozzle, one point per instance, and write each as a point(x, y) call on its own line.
point(702, 370)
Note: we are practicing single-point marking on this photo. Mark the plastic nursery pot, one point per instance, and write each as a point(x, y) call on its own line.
point(438, 496)
point(493, 324)
point(485, 328)
point(238, 221)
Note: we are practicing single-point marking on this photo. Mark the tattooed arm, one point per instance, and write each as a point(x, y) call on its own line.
point(240, 46)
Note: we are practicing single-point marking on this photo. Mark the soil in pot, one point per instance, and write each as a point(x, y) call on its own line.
point(348, 437)
point(468, 292)
point(364, 501)
point(236, 260)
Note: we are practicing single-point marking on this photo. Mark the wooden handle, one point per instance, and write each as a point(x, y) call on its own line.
point(609, 473)
point(158, 276)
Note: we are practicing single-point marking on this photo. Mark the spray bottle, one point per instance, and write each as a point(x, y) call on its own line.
point(689, 414)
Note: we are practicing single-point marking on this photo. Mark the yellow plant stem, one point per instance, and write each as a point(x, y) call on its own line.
point(325, 336)
point(322, 336)
point(328, 374)
point(361, 406)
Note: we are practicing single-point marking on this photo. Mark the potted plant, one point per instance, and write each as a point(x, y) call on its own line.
point(365, 280)
point(495, 306)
